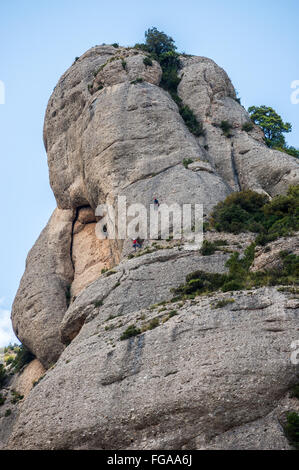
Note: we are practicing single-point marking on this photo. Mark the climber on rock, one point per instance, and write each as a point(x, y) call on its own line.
point(156, 203)
point(136, 244)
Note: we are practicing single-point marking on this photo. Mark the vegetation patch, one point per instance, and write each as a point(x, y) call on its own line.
point(163, 49)
point(151, 325)
point(130, 332)
point(23, 357)
point(147, 62)
point(187, 162)
point(110, 272)
point(239, 276)
point(3, 375)
point(295, 391)
point(223, 303)
point(172, 313)
point(208, 248)
point(138, 80)
point(248, 126)
point(291, 429)
point(290, 290)
point(16, 397)
point(36, 382)
point(2, 399)
point(253, 212)
point(226, 127)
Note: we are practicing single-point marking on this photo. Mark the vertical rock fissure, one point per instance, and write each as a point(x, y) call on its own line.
point(77, 210)
point(234, 168)
point(72, 237)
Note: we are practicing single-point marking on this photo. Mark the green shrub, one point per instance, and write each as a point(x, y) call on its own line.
point(295, 391)
point(290, 151)
point(291, 429)
point(142, 47)
point(232, 285)
point(147, 61)
point(36, 382)
point(248, 126)
point(162, 49)
point(16, 397)
point(239, 212)
point(130, 332)
point(98, 303)
point(191, 121)
point(223, 303)
point(9, 360)
point(23, 357)
point(115, 44)
point(226, 127)
point(158, 42)
point(7, 413)
point(172, 313)
point(110, 272)
point(170, 64)
point(124, 64)
point(197, 283)
point(208, 248)
point(239, 276)
point(2, 399)
point(153, 324)
point(187, 162)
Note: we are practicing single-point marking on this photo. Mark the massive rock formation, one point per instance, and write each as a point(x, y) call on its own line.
point(198, 379)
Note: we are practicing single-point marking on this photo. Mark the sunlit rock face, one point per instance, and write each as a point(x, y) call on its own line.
point(198, 378)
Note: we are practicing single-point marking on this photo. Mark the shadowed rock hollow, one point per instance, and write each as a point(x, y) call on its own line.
point(110, 130)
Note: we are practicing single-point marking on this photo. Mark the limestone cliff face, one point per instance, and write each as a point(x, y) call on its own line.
point(199, 375)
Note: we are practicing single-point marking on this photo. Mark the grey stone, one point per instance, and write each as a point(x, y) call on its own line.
point(41, 300)
point(179, 386)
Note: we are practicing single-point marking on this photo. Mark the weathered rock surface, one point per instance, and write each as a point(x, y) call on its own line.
point(28, 377)
point(265, 433)
point(127, 66)
point(90, 255)
point(8, 417)
point(41, 300)
point(269, 257)
point(242, 160)
point(204, 378)
point(135, 284)
point(183, 384)
point(141, 133)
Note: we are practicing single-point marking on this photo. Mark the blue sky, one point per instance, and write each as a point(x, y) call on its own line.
point(255, 41)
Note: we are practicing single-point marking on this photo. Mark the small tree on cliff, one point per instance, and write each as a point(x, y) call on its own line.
point(272, 125)
point(158, 42)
